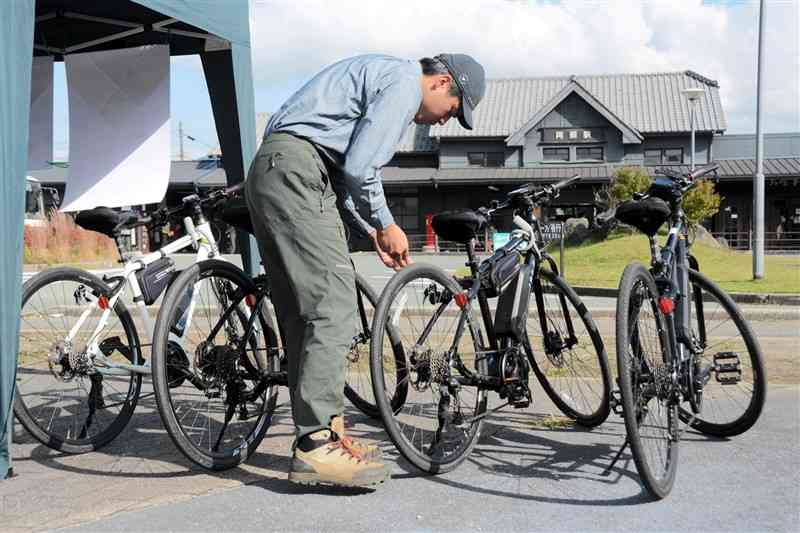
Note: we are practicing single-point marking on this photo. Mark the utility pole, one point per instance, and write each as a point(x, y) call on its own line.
point(693, 94)
point(180, 137)
point(757, 244)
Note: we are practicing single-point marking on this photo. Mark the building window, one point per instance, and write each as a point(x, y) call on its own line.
point(555, 154)
point(673, 156)
point(405, 210)
point(652, 157)
point(486, 159)
point(590, 153)
point(663, 156)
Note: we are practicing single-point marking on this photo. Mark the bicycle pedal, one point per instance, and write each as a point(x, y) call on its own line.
point(520, 403)
point(616, 402)
point(727, 368)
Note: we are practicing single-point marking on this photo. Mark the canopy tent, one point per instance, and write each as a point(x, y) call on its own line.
point(217, 30)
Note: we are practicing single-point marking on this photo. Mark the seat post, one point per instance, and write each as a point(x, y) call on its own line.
point(471, 261)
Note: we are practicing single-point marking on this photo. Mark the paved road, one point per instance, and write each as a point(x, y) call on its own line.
point(523, 477)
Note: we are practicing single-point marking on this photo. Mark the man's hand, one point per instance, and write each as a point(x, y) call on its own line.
point(391, 244)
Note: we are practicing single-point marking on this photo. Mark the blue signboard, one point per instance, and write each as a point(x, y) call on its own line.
point(499, 239)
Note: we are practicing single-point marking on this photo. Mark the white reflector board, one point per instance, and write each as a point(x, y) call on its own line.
point(119, 131)
point(40, 131)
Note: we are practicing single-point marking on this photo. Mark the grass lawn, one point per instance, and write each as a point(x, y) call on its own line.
point(601, 265)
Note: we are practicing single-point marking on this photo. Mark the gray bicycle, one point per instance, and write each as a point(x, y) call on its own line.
point(446, 366)
point(684, 350)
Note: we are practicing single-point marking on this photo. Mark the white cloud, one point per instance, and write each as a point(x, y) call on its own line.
point(293, 39)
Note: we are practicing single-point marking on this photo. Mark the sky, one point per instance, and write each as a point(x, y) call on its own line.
point(293, 39)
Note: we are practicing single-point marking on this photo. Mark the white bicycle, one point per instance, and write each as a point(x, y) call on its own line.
point(80, 361)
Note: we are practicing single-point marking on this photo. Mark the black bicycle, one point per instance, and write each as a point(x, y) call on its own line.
point(447, 366)
point(217, 390)
point(684, 351)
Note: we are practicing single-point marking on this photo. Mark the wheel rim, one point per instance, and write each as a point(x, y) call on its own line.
point(358, 379)
point(651, 383)
point(570, 364)
point(427, 372)
point(208, 377)
point(722, 404)
point(56, 383)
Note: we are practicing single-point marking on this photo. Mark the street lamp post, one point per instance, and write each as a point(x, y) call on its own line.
point(692, 94)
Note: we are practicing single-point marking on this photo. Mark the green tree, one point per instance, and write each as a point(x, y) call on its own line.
point(701, 202)
point(627, 181)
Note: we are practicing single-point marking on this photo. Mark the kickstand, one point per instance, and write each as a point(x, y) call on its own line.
point(610, 467)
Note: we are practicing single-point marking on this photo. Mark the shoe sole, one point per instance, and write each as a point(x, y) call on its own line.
point(314, 479)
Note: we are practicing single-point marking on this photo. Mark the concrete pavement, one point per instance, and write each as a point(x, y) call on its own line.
point(527, 473)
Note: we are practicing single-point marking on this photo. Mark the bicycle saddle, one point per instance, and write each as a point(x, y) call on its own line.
point(645, 215)
point(104, 220)
point(458, 226)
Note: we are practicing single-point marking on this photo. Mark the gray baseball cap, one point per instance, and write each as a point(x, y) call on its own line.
point(470, 78)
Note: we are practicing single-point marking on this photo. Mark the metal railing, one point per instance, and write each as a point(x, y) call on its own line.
point(773, 241)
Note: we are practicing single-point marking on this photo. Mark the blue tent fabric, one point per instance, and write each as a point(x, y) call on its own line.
point(16, 43)
point(232, 100)
point(223, 18)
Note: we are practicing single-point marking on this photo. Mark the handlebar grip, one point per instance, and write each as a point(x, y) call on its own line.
point(234, 189)
point(567, 182)
point(703, 171)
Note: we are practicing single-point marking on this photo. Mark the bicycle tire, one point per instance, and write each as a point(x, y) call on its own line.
point(418, 374)
point(56, 435)
point(358, 390)
point(228, 366)
point(719, 401)
point(561, 376)
point(638, 375)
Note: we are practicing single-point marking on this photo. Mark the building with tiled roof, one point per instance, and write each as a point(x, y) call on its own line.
point(546, 129)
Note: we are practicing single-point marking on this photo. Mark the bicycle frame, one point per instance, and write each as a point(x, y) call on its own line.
point(670, 269)
point(199, 237)
point(527, 281)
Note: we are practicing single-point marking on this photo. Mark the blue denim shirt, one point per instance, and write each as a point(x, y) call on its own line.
point(356, 112)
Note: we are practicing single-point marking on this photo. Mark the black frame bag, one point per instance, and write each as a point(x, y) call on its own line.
point(155, 278)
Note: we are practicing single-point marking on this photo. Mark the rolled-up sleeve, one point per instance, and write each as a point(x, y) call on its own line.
point(374, 141)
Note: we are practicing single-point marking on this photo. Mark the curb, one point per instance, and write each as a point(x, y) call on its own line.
point(738, 297)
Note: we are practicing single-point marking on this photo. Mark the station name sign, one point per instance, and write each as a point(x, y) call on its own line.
point(573, 135)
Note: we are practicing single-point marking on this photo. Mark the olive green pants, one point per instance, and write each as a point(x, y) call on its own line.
point(303, 247)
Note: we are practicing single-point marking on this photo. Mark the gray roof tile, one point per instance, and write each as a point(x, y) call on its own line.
point(650, 103)
point(730, 169)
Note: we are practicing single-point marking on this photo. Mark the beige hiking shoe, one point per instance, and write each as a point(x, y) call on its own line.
point(333, 462)
point(369, 452)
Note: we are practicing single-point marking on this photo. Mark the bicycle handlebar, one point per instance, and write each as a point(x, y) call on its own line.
point(675, 175)
point(533, 192)
point(567, 182)
point(163, 215)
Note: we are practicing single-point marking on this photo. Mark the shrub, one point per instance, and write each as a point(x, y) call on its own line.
point(701, 202)
point(627, 181)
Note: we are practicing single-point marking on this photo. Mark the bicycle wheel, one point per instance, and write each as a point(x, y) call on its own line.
point(732, 402)
point(358, 383)
point(645, 381)
point(438, 424)
point(62, 399)
point(208, 373)
point(567, 352)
